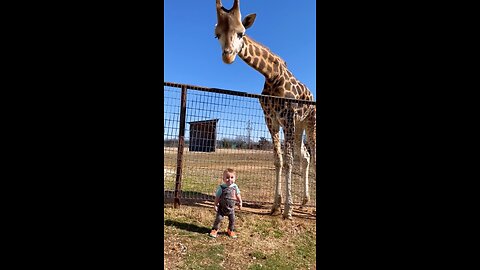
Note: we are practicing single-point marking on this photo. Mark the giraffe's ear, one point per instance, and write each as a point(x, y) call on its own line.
point(248, 20)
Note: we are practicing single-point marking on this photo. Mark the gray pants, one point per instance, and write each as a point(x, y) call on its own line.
point(219, 218)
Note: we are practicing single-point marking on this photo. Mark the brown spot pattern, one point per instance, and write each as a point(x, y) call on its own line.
point(264, 54)
point(295, 90)
point(262, 64)
point(287, 85)
point(283, 84)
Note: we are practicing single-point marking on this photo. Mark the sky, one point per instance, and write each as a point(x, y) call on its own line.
point(193, 56)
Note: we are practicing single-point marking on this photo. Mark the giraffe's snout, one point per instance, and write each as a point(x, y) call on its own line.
point(228, 56)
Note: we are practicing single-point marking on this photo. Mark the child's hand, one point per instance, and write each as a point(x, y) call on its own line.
point(240, 207)
point(216, 208)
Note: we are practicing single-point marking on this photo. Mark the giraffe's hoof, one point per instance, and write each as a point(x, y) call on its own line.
point(275, 211)
point(305, 201)
point(287, 213)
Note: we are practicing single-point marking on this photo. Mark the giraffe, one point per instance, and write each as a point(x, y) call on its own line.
point(294, 118)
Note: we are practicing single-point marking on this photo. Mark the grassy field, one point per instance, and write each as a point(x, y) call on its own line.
point(264, 241)
point(202, 173)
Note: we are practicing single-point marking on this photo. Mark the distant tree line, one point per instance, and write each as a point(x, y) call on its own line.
point(240, 142)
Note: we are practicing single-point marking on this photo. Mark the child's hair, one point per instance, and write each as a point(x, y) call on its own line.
point(230, 170)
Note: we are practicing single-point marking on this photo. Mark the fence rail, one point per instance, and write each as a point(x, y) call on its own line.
point(235, 93)
point(207, 130)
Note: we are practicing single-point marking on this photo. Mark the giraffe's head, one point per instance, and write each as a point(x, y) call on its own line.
point(230, 30)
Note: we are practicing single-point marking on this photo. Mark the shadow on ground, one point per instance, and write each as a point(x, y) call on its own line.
point(251, 208)
point(187, 226)
point(192, 194)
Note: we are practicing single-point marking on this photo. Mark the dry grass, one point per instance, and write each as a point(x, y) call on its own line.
point(255, 171)
point(264, 241)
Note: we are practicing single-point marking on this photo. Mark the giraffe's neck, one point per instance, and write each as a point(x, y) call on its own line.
point(262, 59)
point(279, 81)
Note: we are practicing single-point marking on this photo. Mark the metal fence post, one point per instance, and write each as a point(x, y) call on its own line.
point(181, 146)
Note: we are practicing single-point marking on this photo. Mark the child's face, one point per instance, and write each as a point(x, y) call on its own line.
point(229, 178)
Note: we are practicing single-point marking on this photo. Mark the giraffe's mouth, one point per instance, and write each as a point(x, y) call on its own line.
point(228, 58)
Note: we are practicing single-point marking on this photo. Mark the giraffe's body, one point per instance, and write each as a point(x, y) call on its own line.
point(294, 118)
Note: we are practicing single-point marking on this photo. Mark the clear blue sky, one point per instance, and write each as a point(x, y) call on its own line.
point(193, 56)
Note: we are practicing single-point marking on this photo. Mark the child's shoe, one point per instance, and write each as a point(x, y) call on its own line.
point(213, 234)
point(231, 234)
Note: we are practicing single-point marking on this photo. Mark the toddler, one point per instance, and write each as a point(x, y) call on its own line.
point(225, 197)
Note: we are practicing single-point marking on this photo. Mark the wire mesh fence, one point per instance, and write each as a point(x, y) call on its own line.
point(222, 129)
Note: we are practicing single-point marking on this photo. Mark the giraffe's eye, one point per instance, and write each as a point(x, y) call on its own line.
point(240, 35)
point(217, 36)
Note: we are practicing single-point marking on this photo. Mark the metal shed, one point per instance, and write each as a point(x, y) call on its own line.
point(203, 135)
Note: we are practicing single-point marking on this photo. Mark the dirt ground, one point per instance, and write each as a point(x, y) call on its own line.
point(264, 241)
point(262, 209)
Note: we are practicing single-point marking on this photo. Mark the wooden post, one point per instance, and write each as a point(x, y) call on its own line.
point(181, 146)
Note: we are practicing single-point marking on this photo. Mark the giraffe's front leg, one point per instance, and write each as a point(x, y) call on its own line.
point(288, 180)
point(289, 152)
point(274, 129)
point(276, 208)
